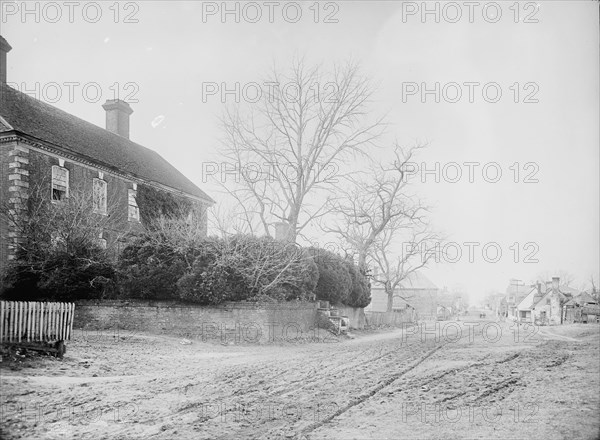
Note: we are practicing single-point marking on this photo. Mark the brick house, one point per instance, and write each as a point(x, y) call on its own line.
point(42, 146)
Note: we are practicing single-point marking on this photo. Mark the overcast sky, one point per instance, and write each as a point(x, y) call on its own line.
point(169, 49)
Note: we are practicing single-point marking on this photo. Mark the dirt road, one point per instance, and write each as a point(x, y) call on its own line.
point(457, 380)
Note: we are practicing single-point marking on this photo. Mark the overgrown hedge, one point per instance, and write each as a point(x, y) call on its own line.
point(207, 271)
point(239, 268)
point(59, 275)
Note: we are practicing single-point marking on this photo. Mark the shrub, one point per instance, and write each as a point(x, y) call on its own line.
point(167, 265)
point(59, 256)
point(150, 269)
point(211, 284)
point(248, 268)
point(85, 273)
point(360, 292)
point(335, 281)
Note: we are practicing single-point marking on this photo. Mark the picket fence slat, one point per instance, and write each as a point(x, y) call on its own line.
point(12, 320)
point(1, 321)
point(62, 321)
point(30, 321)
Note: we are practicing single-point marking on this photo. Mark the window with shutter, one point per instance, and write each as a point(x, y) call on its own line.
point(134, 211)
point(60, 183)
point(99, 191)
point(101, 241)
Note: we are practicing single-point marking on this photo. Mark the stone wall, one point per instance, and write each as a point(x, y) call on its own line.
point(394, 319)
point(355, 315)
point(229, 322)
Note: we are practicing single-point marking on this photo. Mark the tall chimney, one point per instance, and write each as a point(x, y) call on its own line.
point(4, 49)
point(117, 117)
point(555, 283)
point(282, 231)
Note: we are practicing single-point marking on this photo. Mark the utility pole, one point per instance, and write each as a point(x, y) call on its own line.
point(515, 283)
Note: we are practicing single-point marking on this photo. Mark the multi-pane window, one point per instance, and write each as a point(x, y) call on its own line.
point(134, 211)
point(60, 183)
point(101, 241)
point(99, 199)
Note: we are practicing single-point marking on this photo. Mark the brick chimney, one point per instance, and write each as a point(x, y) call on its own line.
point(117, 117)
point(4, 49)
point(282, 231)
point(555, 283)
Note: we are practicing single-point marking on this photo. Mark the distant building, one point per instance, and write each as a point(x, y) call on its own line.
point(515, 293)
point(416, 291)
point(581, 308)
point(525, 306)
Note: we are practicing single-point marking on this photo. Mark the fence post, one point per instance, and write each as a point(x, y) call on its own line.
point(71, 319)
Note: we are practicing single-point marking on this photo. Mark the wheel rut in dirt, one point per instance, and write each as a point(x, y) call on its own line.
point(370, 394)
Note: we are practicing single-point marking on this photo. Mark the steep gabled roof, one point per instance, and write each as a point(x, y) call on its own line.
point(561, 295)
point(584, 298)
point(528, 302)
point(43, 122)
point(569, 291)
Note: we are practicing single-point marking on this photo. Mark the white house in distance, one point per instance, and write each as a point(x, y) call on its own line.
point(515, 293)
point(544, 307)
point(525, 306)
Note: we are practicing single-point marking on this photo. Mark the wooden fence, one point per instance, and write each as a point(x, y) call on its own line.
point(22, 321)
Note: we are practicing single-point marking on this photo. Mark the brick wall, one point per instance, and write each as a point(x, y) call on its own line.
point(81, 180)
point(230, 322)
point(34, 173)
point(4, 151)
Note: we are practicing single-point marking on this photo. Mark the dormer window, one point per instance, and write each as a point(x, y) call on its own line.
point(60, 183)
point(99, 199)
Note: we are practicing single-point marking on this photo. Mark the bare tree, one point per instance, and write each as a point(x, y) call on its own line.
point(594, 288)
point(289, 146)
point(566, 277)
point(419, 247)
point(44, 225)
point(60, 246)
point(373, 206)
point(379, 214)
point(264, 264)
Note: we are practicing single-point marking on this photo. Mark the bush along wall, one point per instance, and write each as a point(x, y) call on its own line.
point(210, 271)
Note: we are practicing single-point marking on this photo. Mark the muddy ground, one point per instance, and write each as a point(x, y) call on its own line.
point(452, 382)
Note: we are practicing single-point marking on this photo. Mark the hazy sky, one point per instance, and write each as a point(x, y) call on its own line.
point(170, 49)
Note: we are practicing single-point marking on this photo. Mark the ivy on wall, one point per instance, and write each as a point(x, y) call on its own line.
point(154, 203)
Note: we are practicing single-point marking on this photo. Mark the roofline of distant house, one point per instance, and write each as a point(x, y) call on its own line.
point(406, 288)
point(48, 147)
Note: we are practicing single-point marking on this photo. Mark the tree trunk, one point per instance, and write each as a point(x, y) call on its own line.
point(390, 297)
point(362, 261)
